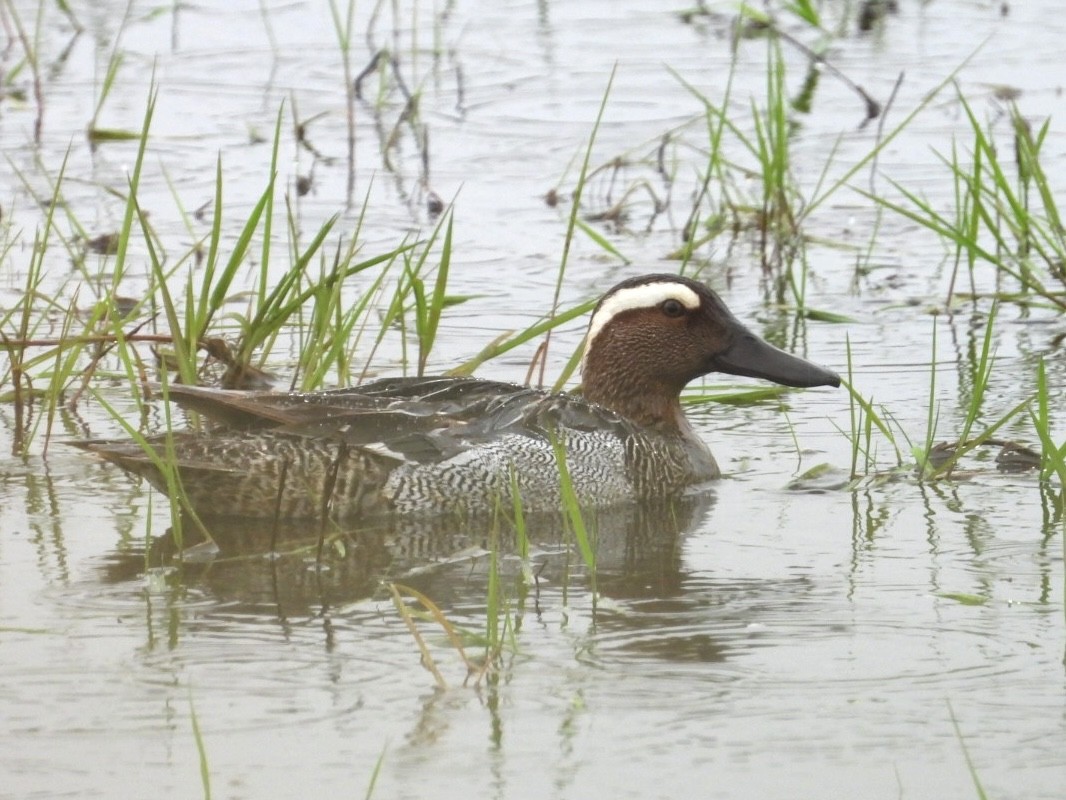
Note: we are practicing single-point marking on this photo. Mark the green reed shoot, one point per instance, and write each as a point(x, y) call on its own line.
point(428, 310)
point(334, 334)
point(921, 455)
point(104, 314)
point(496, 603)
point(509, 341)
point(166, 466)
point(571, 507)
point(1053, 455)
point(805, 11)
point(214, 283)
point(343, 28)
point(185, 347)
point(285, 301)
point(114, 63)
point(966, 442)
point(994, 222)
point(772, 134)
point(966, 754)
point(201, 749)
point(119, 264)
point(273, 309)
point(54, 197)
point(62, 369)
point(378, 764)
point(979, 378)
point(28, 320)
point(775, 214)
point(521, 532)
point(572, 221)
point(717, 171)
point(864, 418)
point(570, 367)
point(410, 295)
point(32, 50)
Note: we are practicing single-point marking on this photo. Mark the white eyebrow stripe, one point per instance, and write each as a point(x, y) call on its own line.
point(647, 295)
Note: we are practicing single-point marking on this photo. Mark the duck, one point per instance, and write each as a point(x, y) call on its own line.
point(411, 445)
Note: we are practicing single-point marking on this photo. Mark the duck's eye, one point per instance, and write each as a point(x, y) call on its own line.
point(672, 308)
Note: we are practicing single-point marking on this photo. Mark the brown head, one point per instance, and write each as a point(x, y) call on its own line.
point(649, 336)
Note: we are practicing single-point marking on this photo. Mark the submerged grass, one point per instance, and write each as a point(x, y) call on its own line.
point(431, 612)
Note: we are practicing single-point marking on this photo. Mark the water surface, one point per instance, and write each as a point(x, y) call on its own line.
point(776, 644)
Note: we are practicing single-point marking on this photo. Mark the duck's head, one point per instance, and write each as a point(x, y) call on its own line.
point(649, 336)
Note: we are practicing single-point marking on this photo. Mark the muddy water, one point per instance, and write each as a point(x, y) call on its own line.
point(765, 642)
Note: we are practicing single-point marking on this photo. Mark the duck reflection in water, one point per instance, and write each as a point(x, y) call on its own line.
point(289, 566)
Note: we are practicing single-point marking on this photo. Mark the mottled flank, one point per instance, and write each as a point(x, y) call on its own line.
point(431, 445)
point(262, 474)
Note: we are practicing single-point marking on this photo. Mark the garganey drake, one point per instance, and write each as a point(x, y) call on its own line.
point(430, 445)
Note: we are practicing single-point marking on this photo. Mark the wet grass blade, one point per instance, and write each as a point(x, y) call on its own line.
point(376, 773)
point(327, 350)
point(521, 532)
point(570, 368)
point(210, 303)
point(966, 754)
point(20, 370)
point(980, 376)
point(932, 414)
point(285, 299)
point(604, 243)
point(405, 614)
point(427, 318)
point(410, 294)
point(865, 417)
point(184, 346)
point(201, 749)
point(571, 508)
point(134, 182)
point(735, 396)
point(268, 212)
point(434, 613)
point(1027, 246)
point(495, 605)
point(1053, 455)
point(114, 63)
point(568, 238)
point(509, 342)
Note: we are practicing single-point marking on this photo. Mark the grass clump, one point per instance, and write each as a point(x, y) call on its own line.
point(1005, 214)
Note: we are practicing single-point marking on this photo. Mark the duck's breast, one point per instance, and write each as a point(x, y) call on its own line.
point(480, 477)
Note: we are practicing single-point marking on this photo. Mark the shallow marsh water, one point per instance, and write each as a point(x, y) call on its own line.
point(783, 644)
